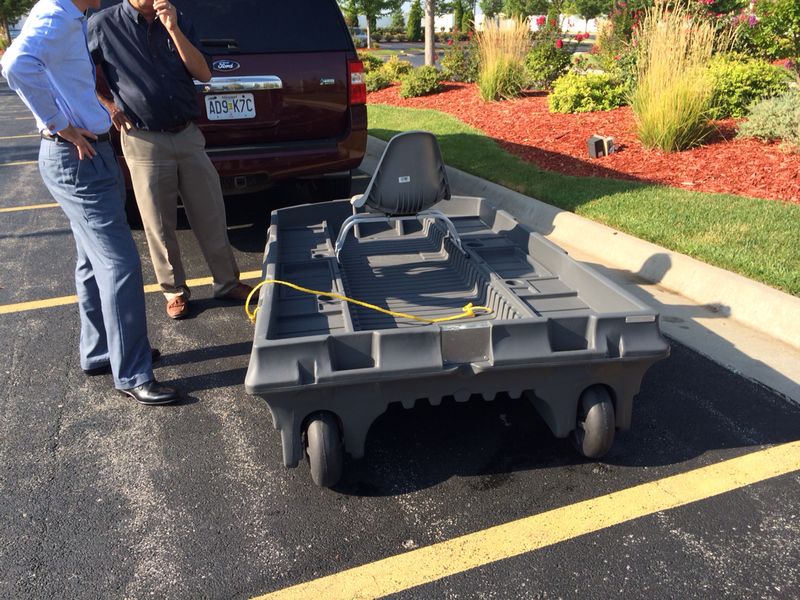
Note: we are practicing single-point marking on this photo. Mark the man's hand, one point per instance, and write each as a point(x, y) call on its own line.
point(167, 13)
point(119, 119)
point(77, 136)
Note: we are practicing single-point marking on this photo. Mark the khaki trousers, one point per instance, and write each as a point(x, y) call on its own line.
point(163, 166)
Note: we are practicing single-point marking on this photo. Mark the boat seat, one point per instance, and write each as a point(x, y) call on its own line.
point(409, 180)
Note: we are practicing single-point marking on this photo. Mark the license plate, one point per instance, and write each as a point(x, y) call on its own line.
point(230, 106)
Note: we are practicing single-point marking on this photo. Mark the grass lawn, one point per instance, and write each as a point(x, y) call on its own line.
point(389, 52)
point(753, 237)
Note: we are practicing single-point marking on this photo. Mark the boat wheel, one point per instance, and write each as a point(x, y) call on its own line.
point(594, 431)
point(324, 449)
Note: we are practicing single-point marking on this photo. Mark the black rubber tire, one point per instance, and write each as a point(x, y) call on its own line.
point(324, 449)
point(593, 435)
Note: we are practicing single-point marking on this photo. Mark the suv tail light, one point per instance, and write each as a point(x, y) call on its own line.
point(358, 82)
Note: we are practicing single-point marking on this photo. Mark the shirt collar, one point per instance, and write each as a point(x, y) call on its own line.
point(70, 8)
point(128, 9)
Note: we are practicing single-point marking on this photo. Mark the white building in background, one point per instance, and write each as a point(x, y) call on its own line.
point(571, 23)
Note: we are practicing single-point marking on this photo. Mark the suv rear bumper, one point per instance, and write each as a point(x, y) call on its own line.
point(252, 167)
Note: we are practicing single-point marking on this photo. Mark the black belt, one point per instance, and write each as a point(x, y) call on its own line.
point(101, 137)
point(176, 129)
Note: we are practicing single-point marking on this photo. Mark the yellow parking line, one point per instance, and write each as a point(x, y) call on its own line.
point(17, 137)
point(64, 300)
point(28, 207)
point(17, 164)
point(405, 571)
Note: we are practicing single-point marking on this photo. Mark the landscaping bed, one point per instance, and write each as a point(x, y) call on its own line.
point(557, 142)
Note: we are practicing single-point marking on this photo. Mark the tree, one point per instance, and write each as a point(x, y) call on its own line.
point(350, 11)
point(588, 9)
point(414, 24)
point(491, 8)
point(371, 9)
point(10, 11)
point(458, 15)
point(522, 9)
point(468, 20)
point(430, 39)
point(398, 21)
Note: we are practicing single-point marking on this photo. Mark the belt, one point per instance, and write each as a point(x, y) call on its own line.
point(176, 129)
point(101, 137)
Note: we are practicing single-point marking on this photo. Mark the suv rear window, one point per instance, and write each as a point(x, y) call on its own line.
point(257, 26)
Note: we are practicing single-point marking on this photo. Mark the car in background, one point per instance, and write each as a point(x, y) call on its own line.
point(287, 98)
point(359, 37)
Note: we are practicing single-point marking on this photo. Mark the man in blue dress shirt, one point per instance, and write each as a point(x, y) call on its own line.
point(50, 68)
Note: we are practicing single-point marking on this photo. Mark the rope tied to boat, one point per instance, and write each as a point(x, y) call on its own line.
point(468, 311)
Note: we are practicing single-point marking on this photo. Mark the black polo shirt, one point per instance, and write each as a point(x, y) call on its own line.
point(143, 67)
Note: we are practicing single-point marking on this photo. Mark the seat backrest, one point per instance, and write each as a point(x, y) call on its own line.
point(410, 176)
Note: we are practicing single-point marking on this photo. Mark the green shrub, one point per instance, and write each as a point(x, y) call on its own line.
point(371, 62)
point(546, 62)
point(461, 63)
point(504, 80)
point(396, 69)
point(420, 82)
point(622, 66)
point(377, 80)
point(739, 83)
point(574, 93)
point(775, 119)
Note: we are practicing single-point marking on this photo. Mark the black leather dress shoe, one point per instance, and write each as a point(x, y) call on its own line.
point(152, 392)
point(106, 369)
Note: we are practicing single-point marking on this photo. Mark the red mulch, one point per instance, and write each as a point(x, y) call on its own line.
point(557, 142)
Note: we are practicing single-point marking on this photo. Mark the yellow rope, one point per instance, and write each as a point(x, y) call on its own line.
point(467, 311)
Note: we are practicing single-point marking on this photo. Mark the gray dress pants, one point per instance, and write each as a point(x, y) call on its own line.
point(108, 276)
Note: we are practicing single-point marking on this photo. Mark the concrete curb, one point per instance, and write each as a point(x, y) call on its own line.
point(749, 302)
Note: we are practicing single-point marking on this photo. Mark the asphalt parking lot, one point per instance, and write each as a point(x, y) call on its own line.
point(103, 498)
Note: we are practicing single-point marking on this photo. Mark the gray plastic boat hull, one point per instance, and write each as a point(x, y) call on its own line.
point(556, 329)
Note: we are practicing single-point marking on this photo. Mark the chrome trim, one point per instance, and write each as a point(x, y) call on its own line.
point(239, 84)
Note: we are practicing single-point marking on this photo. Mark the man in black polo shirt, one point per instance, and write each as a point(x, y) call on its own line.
point(149, 54)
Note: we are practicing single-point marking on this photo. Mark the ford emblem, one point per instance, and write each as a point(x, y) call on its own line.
point(226, 65)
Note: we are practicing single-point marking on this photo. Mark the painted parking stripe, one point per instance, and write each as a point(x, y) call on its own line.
point(19, 163)
point(28, 207)
point(65, 300)
point(19, 137)
point(418, 567)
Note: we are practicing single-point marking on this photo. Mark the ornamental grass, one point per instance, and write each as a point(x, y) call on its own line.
point(673, 97)
point(502, 48)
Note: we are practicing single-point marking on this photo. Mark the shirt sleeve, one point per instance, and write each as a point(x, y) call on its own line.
point(191, 34)
point(93, 40)
point(24, 67)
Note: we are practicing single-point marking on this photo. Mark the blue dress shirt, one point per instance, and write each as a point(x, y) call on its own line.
point(50, 68)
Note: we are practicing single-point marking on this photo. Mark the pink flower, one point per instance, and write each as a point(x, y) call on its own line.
point(541, 20)
point(450, 42)
point(559, 44)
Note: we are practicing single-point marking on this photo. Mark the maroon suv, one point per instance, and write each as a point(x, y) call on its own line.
point(287, 98)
